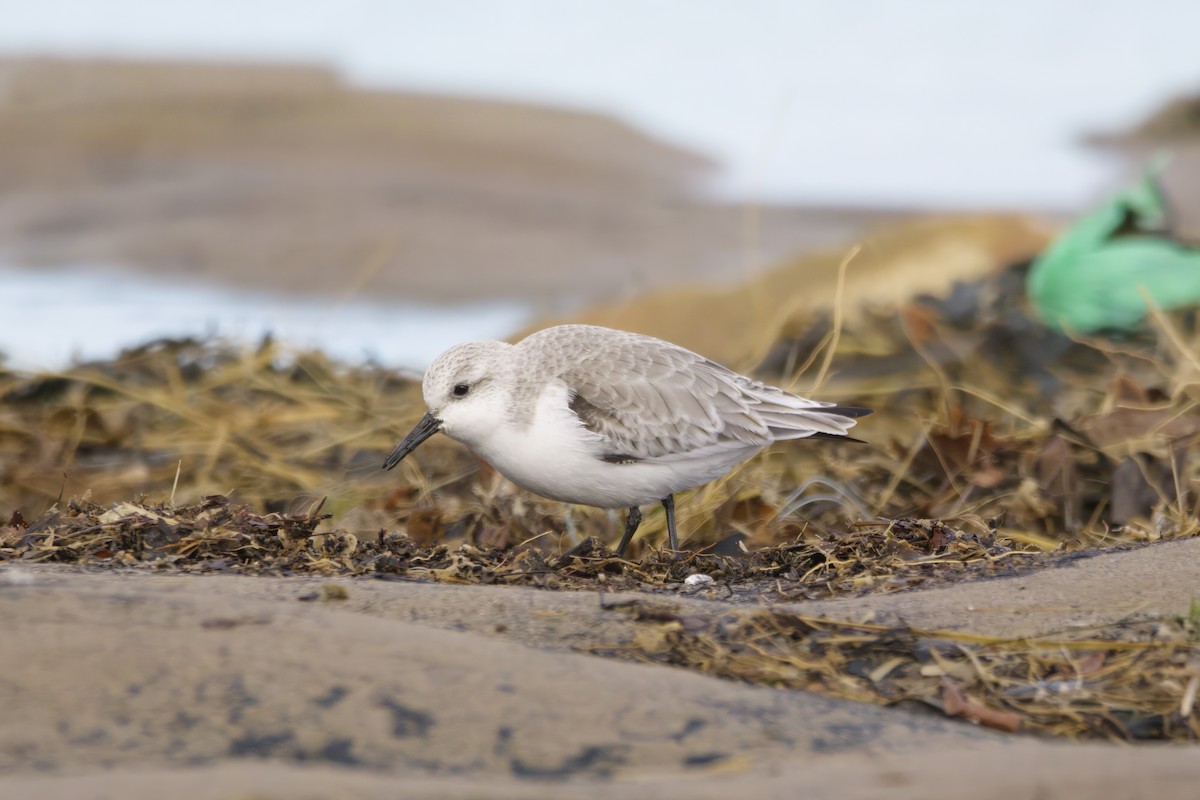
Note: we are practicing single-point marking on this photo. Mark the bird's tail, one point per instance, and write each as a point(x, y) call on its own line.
point(792, 417)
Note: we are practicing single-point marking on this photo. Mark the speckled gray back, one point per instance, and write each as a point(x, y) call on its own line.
point(652, 398)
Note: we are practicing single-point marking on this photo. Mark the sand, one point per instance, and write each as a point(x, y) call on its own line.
point(136, 684)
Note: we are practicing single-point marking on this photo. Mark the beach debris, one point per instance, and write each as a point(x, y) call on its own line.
point(217, 535)
point(1123, 682)
point(1116, 265)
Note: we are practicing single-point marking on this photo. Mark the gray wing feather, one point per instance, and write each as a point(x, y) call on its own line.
point(650, 399)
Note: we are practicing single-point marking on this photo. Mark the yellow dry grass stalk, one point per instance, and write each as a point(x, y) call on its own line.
point(265, 423)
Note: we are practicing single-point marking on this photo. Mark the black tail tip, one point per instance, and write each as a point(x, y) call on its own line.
point(835, 437)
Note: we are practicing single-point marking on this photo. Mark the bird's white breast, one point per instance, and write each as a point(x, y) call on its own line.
point(555, 456)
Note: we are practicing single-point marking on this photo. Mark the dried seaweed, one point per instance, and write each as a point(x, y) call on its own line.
point(217, 535)
point(1127, 682)
point(983, 416)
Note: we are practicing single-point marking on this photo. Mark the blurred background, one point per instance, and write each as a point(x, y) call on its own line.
point(381, 179)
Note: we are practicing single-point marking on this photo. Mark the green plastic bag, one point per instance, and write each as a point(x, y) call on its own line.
point(1100, 272)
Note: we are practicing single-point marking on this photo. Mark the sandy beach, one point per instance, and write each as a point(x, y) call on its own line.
point(128, 670)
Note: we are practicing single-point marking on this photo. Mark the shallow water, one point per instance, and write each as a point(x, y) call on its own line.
point(55, 317)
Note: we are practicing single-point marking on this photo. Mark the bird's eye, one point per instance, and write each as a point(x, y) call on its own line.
point(461, 389)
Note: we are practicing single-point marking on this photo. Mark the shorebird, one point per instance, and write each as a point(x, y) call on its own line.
point(607, 418)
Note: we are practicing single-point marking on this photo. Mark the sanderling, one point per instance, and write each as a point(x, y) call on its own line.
point(606, 418)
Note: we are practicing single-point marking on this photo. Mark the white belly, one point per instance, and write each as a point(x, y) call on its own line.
point(556, 457)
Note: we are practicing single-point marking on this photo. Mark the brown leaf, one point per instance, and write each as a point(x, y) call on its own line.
point(1090, 663)
point(425, 525)
point(1133, 497)
point(400, 496)
point(957, 704)
point(1059, 480)
point(988, 476)
point(1128, 426)
point(1123, 389)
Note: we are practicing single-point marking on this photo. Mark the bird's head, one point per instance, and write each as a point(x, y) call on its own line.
point(465, 394)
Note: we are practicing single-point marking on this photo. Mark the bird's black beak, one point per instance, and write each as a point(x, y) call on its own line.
point(428, 426)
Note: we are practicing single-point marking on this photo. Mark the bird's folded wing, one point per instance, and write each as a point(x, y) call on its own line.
point(650, 401)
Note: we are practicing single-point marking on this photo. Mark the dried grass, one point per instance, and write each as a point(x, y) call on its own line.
point(1126, 682)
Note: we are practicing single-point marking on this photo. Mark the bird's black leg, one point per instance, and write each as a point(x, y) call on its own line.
point(632, 520)
point(669, 506)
